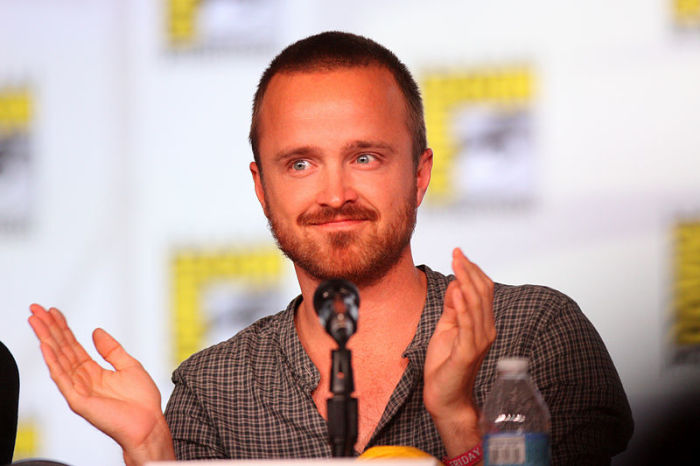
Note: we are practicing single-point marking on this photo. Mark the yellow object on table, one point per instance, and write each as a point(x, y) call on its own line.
point(393, 451)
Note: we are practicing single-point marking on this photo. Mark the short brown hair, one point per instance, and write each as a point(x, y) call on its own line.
point(331, 50)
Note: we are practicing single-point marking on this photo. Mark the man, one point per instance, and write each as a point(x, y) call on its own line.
point(341, 165)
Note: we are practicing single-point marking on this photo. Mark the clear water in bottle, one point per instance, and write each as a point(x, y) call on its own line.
point(515, 419)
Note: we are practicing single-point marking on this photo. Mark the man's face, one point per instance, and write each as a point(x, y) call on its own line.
point(339, 186)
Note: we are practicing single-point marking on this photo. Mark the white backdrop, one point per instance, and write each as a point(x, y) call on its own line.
point(139, 151)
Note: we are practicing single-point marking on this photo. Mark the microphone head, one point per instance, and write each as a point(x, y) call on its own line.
point(337, 304)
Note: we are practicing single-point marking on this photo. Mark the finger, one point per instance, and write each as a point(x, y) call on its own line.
point(36, 308)
point(489, 317)
point(72, 343)
point(112, 351)
point(470, 291)
point(67, 345)
point(42, 314)
point(448, 319)
point(477, 277)
point(39, 327)
point(40, 321)
point(61, 378)
point(484, 288)
point(449, 314)
point(51, 329)
point(481, 280)
point(55, 326)
point(51, 324)
point(41, 330)
point(465, 326)
point(488, 287)
point(73, 381)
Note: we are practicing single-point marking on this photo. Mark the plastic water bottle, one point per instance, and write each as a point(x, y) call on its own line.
point(515, 418)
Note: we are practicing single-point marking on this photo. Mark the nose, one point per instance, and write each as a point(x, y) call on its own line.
point(336, 187)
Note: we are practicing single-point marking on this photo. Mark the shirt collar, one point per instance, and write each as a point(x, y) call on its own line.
point(432, 310)
point(300, 363)
point(308, 375)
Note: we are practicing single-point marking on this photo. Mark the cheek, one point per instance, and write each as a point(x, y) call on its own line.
point(286, 201)
point(399, 192)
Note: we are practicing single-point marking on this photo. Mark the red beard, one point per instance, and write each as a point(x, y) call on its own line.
point(361, 257)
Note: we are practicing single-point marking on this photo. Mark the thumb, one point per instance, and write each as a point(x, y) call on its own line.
point(111, 350)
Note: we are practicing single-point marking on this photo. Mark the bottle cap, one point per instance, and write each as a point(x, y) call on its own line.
point(512, 365)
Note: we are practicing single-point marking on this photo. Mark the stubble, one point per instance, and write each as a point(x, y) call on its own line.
point(363, 256)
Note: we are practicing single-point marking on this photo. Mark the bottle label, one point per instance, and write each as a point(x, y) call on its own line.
point(511, 449)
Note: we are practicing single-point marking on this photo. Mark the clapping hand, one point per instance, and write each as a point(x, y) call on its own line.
point(124, 403)
point(456, 350)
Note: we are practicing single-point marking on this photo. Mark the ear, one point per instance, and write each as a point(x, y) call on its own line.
point(257, 180)
point(423, 171)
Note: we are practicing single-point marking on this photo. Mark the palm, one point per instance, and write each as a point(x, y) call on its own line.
point(120, 403)
point(441, 347)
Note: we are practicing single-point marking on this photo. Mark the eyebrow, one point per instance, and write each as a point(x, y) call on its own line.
point(302, 151)
point(359, 144)
point(305, 151)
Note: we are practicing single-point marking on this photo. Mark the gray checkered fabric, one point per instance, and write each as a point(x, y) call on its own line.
point(250, 397)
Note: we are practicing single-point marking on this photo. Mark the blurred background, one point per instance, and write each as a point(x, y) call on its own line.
point(566, 138)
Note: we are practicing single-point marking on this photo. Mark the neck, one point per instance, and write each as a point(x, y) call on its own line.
point(389, 306)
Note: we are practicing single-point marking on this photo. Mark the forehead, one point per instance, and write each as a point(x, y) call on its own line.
point(365, 98)
point(372, 80)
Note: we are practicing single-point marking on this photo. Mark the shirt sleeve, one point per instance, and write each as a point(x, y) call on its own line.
point(193, 432)
point(591, 417)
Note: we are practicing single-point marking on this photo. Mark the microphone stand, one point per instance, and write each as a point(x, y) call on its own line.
point(336, 302)
point(342, 407)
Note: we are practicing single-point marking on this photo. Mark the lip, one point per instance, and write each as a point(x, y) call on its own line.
point(339, 224)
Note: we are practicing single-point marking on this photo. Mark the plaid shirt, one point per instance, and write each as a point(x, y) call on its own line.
point(250, 396)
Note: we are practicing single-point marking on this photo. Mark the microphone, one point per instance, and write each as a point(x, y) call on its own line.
point(337, 303)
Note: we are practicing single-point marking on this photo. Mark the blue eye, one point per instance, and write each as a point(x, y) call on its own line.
point(299, 165)
point(365, 158)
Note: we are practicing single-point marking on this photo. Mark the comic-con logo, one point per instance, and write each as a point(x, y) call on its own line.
point(479, 125)
point(216, 293)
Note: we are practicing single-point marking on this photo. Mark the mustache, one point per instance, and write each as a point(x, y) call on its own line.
point(327, 214)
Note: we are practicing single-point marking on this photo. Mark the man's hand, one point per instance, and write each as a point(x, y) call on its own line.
point(124, 403)
point(462, 337)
